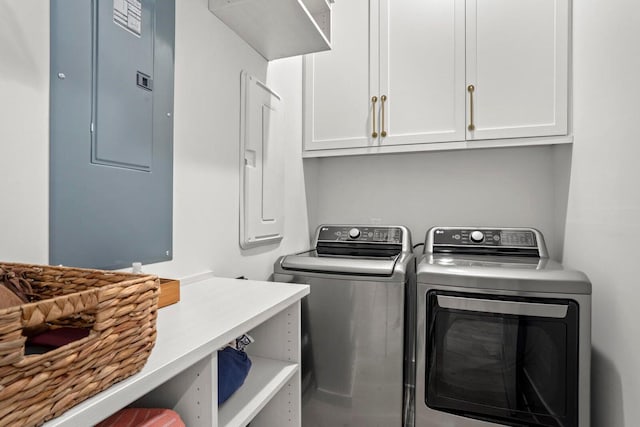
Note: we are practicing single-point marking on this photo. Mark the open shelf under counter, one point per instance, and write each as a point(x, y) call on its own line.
point(266, 377)
point(278, 28)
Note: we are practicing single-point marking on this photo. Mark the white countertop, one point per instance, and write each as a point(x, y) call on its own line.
point(210, 313)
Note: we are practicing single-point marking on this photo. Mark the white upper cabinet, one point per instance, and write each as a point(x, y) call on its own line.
point(421, 72)
point(392, 77)
point(339, 84)
point(517, 56)
point(399, 74)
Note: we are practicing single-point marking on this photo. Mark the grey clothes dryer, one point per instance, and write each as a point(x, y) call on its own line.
point(503, 332)
point(355, 347)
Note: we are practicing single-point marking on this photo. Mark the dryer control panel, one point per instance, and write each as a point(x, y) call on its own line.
point(486, 241)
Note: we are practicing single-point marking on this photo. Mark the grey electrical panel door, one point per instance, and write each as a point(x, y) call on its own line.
point(111, 133)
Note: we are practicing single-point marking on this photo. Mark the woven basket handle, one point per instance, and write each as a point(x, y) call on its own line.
point(39, 312)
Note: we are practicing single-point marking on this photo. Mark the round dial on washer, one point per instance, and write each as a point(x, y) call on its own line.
point(354, 233)
point(477, 236)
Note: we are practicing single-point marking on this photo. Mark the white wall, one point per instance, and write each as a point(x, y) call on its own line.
point(523, 186)
point(603, 217)
point(24, 130)
point(208, 60)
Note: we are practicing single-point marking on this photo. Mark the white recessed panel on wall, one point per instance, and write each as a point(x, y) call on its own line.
point(261, 165)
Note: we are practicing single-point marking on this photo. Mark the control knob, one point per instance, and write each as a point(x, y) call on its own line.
point(354, 233)
point(477, 236)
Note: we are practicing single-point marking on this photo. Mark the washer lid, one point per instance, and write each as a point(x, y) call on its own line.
point(501, 273)
point(363, 266)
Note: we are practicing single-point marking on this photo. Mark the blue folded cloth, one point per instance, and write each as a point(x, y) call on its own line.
point(233, 368)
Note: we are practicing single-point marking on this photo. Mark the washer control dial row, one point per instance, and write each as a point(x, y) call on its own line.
point(361, 234)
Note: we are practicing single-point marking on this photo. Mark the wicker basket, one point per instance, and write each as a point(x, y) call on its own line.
point(120, 311)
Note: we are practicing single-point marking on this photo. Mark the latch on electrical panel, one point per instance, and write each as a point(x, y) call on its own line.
point(144, 81)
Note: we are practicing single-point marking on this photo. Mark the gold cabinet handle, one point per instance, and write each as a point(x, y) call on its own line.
point(374, 99)
point(471, 89)
point(383, 132)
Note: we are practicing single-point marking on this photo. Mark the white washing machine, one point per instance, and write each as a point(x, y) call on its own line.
point(503, 333)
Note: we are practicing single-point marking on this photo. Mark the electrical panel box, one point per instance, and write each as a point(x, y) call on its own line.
point(261, 165)
point(111, 133)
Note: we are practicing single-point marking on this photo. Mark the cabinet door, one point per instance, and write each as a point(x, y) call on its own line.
point(339, 84)
point(422, 70)
point(517, 54)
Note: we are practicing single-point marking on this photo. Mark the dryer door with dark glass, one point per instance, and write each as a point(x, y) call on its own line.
point(507, 360)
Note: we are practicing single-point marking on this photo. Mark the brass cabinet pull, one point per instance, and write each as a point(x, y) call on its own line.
point(374, 99)
point(383, 98)
point(471, 89)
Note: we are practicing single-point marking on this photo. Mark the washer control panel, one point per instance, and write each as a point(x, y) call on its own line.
point(364, 234)
point(488, 237)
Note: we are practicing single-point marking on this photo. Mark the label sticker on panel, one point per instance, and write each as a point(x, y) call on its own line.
point(128, 15)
